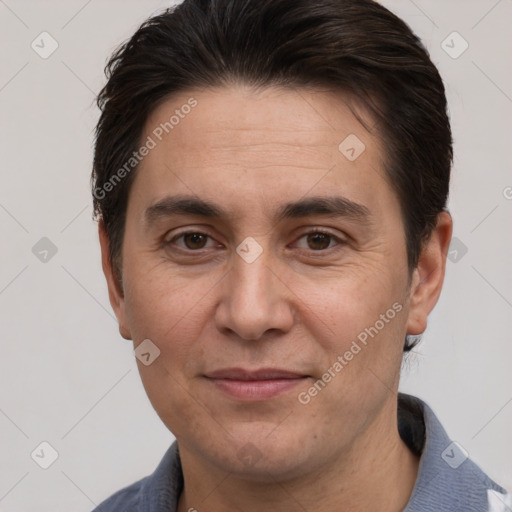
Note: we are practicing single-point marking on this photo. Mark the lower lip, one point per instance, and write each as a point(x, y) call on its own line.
point(256, 389)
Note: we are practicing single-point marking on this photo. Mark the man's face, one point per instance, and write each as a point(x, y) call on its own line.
point(286, 300)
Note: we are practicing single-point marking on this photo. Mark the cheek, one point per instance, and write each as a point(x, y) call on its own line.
point(161, 303)
point(169, 311)
point(174, 401)
point(348, 301)
point(361, 356)
point(360, 325)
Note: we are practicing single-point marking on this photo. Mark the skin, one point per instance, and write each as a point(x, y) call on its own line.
point(298, 306)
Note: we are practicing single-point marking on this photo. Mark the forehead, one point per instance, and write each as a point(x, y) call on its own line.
point(241, 117)
point(238, 143)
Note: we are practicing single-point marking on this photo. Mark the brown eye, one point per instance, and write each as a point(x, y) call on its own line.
point(318, 241)
point(195, 240)
point(190, 241)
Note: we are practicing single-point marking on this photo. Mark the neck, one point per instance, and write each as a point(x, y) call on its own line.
point(377, 472)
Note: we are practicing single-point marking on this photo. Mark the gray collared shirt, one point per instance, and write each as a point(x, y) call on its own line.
point(447, 479)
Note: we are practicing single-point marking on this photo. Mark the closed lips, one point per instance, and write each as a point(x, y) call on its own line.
point(248, 375)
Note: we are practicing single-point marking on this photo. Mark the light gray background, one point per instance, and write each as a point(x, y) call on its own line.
point(68, 378)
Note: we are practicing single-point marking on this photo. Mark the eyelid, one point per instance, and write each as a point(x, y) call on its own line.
point(188, 232)
point(339, 239)
point(319, 229)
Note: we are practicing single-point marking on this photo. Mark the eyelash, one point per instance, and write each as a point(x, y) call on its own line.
point(339, 241)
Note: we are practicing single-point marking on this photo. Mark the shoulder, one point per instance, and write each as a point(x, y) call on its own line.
point(128, 498)
point(158, 492)
point(448, 479)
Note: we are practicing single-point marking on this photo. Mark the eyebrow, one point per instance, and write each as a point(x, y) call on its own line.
point(326, 206)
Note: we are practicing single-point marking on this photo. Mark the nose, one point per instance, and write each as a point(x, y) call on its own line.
point(255, 299)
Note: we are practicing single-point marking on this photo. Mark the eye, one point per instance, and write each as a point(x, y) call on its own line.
point(316, 240)
point(192, 240)
point(319, 240)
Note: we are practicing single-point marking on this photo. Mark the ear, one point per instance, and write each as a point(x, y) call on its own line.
point(428, 276)
point(115, 292)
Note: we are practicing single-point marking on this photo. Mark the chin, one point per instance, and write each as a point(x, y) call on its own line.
point(265, 458)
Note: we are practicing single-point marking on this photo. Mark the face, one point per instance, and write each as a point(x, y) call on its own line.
point(269, 268)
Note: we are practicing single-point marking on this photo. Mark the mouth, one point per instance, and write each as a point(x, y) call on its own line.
point(256, 385)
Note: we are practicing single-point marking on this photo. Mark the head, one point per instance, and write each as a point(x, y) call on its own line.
point(230, 132)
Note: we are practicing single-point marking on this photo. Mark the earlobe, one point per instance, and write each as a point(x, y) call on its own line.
point(115, 292)
point(429, 274)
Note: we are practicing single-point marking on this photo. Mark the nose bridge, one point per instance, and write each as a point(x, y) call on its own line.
point(252, 281)
point(254, 300)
